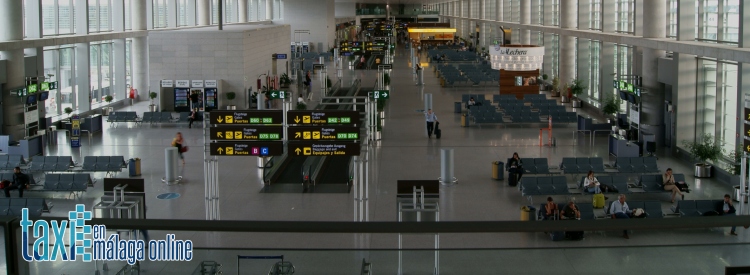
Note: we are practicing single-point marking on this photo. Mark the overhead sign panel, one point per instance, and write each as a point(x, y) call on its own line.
point(247, 148)
point(323, 148)
point(276, 94)
point(380, 94)
point(247, 117)
point(323, 133)
point(247, 133)
point(323, 117)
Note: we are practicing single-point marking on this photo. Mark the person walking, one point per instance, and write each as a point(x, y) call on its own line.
point(178, 142)
point(431, 119)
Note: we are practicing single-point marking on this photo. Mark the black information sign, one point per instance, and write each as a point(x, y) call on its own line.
point(248, 148)
point(247, 133)
point(322, 117)
point(323, 133)
point(247, 117)
point(323, 148)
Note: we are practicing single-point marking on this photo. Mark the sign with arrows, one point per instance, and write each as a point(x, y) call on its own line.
point(277, 94)
point(323, 148)
point(247, 133)
point(323, 133)
point(248, 148)
point(323, 117)
point(380, 94)
point(246, 117)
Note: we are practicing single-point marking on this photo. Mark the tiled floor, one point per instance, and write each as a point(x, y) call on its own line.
point(404, 153)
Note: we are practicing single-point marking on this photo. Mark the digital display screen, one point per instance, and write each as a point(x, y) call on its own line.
point(631, 88)
point(519, 80)
point(43, 96)
point(623, 85)
point(31, 100)
point(31, 89)
point(44, 86)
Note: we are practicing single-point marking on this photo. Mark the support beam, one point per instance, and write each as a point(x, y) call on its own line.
point(11, 28)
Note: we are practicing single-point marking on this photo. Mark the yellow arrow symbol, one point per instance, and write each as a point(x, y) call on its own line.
point(221, 151)
point(296, 135)
point(219, 135)
point(296, 119)
point(748, 132)
point(220, 120)
point(297, 151)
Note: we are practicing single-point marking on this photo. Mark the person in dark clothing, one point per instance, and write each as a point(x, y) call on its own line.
point(193, 117)
point(194, 98)
point(308, 80)
point(20, 182)
point(516, 166)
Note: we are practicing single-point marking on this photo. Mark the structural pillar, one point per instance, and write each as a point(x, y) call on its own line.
point(139, 48)
point(526, 20)
point(11, 28)
point(652, 101)
point(568, 16)
point(242, 7)
point(269, 9)
point(204, 12)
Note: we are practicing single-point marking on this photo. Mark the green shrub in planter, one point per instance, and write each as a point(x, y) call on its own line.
point(301, 106)
point(704, 149)
point(108, 98)
point(611, 105)
point(68, 110)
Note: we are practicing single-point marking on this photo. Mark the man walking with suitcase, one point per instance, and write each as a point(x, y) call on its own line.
point(431, 119)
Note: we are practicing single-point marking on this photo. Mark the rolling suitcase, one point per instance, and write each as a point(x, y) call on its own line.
point(557, 236)
point(598, 200)
point(512, 179)
point(438, 132)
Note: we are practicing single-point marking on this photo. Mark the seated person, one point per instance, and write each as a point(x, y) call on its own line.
point(670, 185)
point(570, 211)
point(471, 103)
point(515, 166)
point(20, 182)
point(619, 210)
point(549, 209)
point(591, 184)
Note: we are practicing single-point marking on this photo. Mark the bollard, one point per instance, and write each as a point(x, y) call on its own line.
point(446, 167)
point(170, 166)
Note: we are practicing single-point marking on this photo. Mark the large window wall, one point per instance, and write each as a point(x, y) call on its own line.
point(718, 20)
point(625, 16)
point(717, 101)
point(58, 17)
point(594, 72)
point(100, 15)
point(59, 65)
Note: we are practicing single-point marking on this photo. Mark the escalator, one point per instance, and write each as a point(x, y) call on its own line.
point(335, 175)
point(292, 173)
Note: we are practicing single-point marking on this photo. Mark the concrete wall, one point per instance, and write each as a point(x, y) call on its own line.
point(316, 16)
point(346, 9)
point(229, 55)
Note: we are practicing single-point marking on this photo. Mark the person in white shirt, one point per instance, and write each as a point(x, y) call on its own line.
point(591, 184)
point(472, 102)
point(300, 99)
point(619, 210)
point(431, 120)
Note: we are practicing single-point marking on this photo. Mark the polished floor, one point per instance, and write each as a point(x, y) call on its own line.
point(404, 152)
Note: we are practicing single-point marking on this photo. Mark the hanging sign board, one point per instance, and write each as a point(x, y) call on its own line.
point(182, 83)
point(210, 83)
point(167, 83)
point(197, 83)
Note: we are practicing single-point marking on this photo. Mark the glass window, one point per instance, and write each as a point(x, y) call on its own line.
point(623, 61)
point(595, 22)
point(128, 14)
point(128, 63)
point(100, 19)
point(66, 76)
point(708, 24)
point(624, 17)
point(182, 7)
point(49, 17)
point(94, 74)
point(159, 13)
point(51, 72)
point(594, 74)
point(214, 12)
point(672, 18)
point(730, 21)
point(556, 12)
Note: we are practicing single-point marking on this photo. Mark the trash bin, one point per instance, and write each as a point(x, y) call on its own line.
point(106, 111)
point(736, 195)
point(457, 107)
point(52, 135)
point(464, 120)
point(528, 213)
point(497, 170)
point(134, 167)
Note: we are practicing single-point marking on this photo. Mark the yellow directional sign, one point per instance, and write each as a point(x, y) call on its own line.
point(237, 134)
point(324, 148)
point(229, 150)
point(229, 135)
point(229, 119)
point(296, 135)
point(316, 135)
point(220, 135)
point(246, 117)
point(249, 132)
point(305, 119)
point(306, 135)
point(307, 151)
point(297, 151)
point(247, 148)
point(296, 119)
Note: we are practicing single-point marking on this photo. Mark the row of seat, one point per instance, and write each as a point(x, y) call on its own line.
point(547, 185)
point(618, 182)
point(694, 208)
point(67, 182)
point(9, 177)
point(51, 163)
point(582, 165)
point(13, 206)
point(164, 117)
point(532, 165)
point(655, 184)
point(637, 165)
point(103, 163)
point(586, 210)
point(122, 117)
point(8, 162)
point(651, 208)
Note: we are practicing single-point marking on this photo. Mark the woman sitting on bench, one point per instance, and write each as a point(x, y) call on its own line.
point(670, 185)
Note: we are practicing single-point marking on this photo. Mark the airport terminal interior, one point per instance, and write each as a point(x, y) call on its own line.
point(222, 119)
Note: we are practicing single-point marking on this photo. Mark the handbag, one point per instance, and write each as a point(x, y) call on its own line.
point(184, 149)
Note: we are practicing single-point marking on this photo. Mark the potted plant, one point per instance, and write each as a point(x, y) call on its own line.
point(108, 98)
point(611, 105)
point(254, 100)
point(702, 150)
point(152, 106)
point(68, 110)
point(301, 106)
point(564, 92)
point(556, 86)
point(284, 80)
point(576, 88)
point(230, 97)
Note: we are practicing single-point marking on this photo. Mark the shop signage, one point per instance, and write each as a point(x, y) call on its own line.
point(182, 83)
point(210, 83)
point(197, 83)
point(167, 83)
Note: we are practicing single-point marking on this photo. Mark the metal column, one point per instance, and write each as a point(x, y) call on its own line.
point(446, 167)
